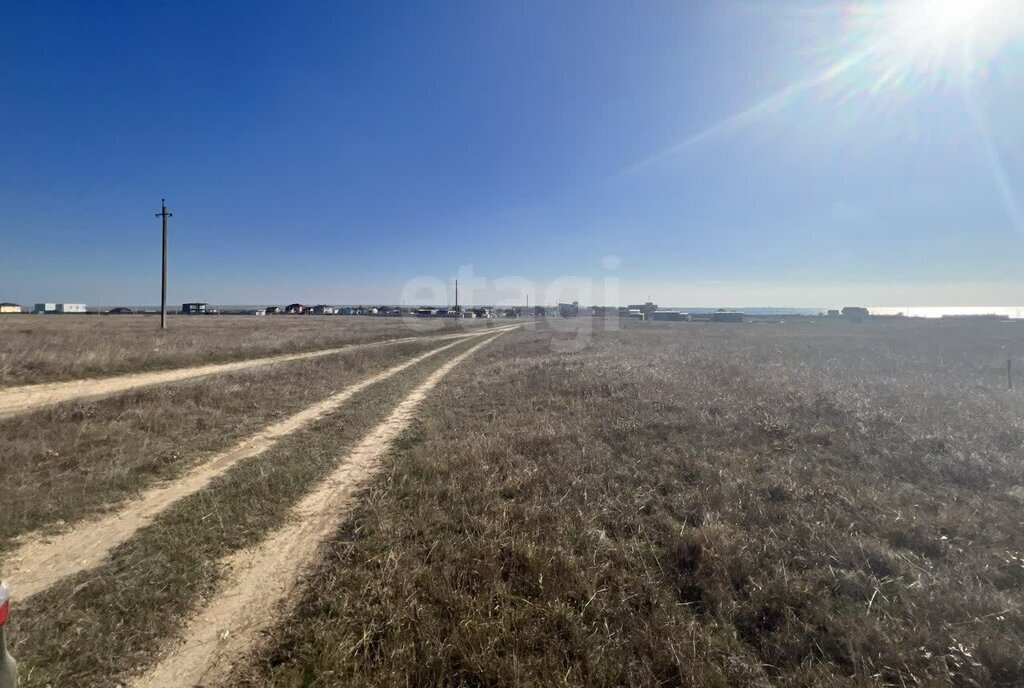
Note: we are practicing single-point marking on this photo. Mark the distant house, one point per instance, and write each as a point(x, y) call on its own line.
point(295, 309)
point(647, 309)
point(484, 312)
point(426, 312)
point(9, 308)
point(322, 310)
point(569, 310)
point(273, 310)
point(71, 308)
point(855, 312)
point(120, 310)
point(670, 315)
point(833, 313)
point(195, 308)
point(45, 308)
point(257, 311)
point(727, 316)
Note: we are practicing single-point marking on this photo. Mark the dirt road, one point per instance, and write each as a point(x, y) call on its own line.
point(14, 400)
point(39, 562)
point(264, 579)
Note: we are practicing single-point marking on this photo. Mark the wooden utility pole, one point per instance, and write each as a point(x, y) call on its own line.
point(163, 274)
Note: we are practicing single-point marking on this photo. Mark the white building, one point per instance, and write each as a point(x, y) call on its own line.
point(45, 308)
point(71, 308)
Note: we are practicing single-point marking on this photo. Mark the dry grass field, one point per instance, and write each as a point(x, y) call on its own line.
point(697, 505)
point(667, 504)
point(39, 348)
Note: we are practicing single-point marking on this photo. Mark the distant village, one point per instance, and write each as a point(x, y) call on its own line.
point(643, 311)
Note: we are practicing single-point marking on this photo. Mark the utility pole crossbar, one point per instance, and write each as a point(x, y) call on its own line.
point(163, 274)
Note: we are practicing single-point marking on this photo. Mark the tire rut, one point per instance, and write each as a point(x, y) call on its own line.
point(263, 579)
point(15, 400)
point(40, 561)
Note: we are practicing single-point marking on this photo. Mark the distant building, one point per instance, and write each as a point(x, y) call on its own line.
point(295, 309)
point(45, 308)
point(322, 310)
point(727, 316)
point(9, 308)
point(484, 312)
point(670, 315)
point(569, 310)
point(855, 312)
point(120, 310)
point(647, 309)
point(195, 308)
point(71, 308)
point(834, 313)
point(273, 310)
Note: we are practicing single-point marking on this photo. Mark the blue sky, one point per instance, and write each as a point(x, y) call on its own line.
point(340, 151)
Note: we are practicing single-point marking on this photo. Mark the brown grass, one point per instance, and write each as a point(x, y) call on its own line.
point(693, 505)
point(102, 625)
point(38, 348)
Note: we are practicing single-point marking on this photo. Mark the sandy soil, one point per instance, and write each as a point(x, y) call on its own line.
point(39, 562)
point(265, 579)
point(14, 400)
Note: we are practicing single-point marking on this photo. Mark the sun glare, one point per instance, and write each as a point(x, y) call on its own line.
point(922, 44)
point(945, 19)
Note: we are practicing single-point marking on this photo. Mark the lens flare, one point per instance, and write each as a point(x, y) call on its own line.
point(928, 43)
point(887, 51)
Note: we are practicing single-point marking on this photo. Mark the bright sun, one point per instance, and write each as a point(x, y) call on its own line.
point(942, 19)
point(946, 19)
point(929, 41)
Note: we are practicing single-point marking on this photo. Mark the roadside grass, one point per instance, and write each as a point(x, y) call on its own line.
point(76, 459)
point(37, 348)
point(698, 507)
point(98, 627)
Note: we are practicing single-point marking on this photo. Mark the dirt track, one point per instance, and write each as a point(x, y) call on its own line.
point(264, 579)
point(14, 400)
point(39, 562)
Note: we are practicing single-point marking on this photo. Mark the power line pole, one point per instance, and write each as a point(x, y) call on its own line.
point(163, 274)
point(456, 298)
